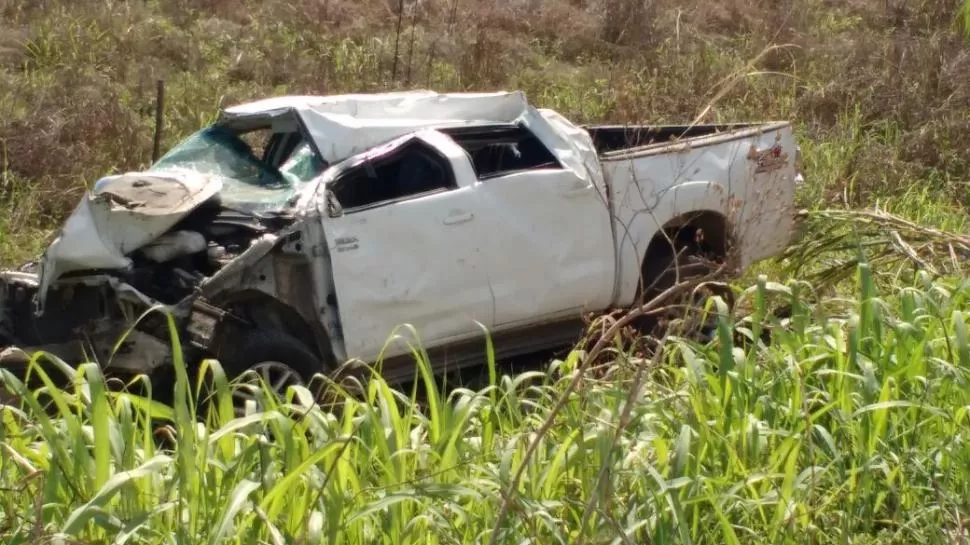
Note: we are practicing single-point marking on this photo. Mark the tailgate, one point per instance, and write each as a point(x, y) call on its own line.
point(766, 218)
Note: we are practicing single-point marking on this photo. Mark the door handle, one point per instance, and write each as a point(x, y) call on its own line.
point(458, 217)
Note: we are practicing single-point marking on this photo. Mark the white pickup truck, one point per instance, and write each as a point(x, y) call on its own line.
point(297, 233)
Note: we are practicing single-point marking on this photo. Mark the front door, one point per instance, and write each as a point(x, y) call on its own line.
point(407, 250)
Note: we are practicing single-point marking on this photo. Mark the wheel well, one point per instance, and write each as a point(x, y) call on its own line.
point(267, 313)
point(703, 232)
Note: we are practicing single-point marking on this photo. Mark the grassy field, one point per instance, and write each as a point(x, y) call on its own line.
point(850, 425)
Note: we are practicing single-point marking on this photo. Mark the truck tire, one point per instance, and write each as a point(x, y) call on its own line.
point(665, 271)
point(277, 357)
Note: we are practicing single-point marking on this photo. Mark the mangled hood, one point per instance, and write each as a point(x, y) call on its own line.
point(120, 215)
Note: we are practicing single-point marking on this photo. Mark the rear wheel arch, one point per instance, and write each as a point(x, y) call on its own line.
point(703, 233)
point(689, 246)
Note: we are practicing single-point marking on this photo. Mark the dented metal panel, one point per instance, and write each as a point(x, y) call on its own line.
point(418, 262)
point(122, 214)
point(549, 245)
point(734, 174)
point(345, 125)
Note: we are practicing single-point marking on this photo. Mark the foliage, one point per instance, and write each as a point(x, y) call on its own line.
point(965, 17)
point(848, 426)
point(876, 88)
point(841, 420)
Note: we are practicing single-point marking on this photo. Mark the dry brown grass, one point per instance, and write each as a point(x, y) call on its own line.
point(878, 88)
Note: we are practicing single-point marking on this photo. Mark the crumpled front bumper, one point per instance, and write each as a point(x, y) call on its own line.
point(114, 340)
point(72, 331)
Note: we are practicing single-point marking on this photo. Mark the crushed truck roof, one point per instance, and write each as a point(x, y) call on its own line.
point(343, 125)
point(499, 106)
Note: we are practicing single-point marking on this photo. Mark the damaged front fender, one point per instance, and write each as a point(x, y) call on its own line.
point(122, 214)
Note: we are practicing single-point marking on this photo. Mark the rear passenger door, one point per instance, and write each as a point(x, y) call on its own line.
point(549, 238)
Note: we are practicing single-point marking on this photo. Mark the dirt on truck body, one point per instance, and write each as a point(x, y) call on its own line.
point(297, 233)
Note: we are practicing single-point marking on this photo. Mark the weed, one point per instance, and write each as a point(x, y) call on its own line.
point(846, 426)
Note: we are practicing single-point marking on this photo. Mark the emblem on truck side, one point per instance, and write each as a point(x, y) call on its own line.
point(768, 160)
point(346, 244)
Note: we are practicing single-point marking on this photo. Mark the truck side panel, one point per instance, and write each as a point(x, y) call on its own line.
point(746, 176)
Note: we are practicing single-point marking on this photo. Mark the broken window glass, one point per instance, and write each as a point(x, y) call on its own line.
point(248, 182)
point(502, 150)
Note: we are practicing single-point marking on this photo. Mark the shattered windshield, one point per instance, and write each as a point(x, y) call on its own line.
point(249, 183)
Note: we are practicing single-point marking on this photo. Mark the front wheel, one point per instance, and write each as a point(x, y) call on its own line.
point(266, 359)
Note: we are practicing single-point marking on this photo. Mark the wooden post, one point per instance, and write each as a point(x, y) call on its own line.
point(159, 109)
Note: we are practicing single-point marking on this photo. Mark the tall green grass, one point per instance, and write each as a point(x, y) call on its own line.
point(849, 426)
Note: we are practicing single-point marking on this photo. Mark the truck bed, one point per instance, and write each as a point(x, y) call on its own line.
point(737, 178)
point(618, 138)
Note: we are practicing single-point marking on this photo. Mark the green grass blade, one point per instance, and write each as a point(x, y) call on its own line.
point(80, 516)
point(237, 500)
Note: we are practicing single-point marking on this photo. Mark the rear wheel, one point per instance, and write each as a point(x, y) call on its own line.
point(685, 261)
point(275, 375)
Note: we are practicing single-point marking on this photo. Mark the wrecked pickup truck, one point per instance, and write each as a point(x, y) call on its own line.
point(297, 233)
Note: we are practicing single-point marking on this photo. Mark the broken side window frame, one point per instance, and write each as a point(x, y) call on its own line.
point(394, 150)
point(480, 133)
